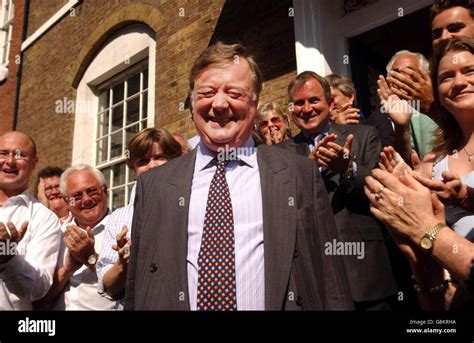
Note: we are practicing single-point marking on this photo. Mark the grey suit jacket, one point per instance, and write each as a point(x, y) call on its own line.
point(297, 221)
point(370, 278)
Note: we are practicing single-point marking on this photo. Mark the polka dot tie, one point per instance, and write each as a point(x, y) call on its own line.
point(216, 260)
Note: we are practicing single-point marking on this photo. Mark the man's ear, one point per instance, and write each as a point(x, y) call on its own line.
point(106, 190)
point(34, 160)
point(352, 98)
point(331, 105)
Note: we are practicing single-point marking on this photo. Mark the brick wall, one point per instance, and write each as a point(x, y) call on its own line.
point(8, 86)
point(43, 10)
point(53, 63)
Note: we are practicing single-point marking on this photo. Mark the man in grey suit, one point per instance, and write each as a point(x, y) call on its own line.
point(229, 226)
point(346, 154)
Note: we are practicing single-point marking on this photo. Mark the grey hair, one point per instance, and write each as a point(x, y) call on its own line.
point(422, 61)
point(76, 168)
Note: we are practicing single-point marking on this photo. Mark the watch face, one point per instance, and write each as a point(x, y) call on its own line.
point(426, 243)
point(92, 259)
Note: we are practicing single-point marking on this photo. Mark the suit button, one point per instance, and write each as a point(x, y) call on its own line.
point(153, 268)
point(299, 301)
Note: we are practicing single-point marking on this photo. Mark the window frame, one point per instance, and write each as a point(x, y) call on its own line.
point(121, 78)
point(6, 25)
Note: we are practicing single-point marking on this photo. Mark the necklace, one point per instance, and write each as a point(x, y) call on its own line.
point(469, 156)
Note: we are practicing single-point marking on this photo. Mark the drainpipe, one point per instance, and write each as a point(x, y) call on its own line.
point(20, 67)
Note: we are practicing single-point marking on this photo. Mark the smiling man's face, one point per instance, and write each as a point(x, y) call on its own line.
point(224, 105)
point(452, 22)
point(86, 198)
point(17, 161)
point(310, 107)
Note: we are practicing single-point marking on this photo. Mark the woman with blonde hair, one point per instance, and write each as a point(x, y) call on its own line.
point(272, 123)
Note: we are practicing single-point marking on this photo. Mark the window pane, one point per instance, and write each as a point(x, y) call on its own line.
point(133, 85)
point(118, 93)
point(118, 198)
point(131, 176)
point(4, 36)
point(133, 110)
point(107, 172)
point(104, 100)
point(145, 79)
point(103, 124)
point(119, 174)
point(131, 131)
point(116, 145)
point(102, 150)
point(117, 118)
point(145, 104)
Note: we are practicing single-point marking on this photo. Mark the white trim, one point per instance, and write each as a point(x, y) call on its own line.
point(131, 45)
point(8, 38)
point(49, 24)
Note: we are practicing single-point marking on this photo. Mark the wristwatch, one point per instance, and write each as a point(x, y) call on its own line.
point(427, 241)
point(349, 173)
point(92, 260)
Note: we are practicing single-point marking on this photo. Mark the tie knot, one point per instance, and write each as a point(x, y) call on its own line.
point(221, 164)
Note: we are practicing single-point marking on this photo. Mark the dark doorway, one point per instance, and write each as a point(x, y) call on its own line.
point(370, 52)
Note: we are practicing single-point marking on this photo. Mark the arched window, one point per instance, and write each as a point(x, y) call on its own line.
point(115, 100)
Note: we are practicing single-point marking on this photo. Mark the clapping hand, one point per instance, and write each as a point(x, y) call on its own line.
point(10, 237)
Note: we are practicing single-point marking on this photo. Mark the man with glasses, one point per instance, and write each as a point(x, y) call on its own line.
point(75, 282)
point(49, 194)
point(29, 233)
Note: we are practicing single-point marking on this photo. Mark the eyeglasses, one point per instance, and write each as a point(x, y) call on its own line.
point(264, 123)
point(91, 193)
point(17, 155)
point(49, 190)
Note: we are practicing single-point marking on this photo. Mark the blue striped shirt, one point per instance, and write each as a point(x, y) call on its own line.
point(243, 179)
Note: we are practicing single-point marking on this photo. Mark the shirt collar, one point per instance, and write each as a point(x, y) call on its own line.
point(99, 226)
point(24, 197)
point(247, 153)
point(314, 135)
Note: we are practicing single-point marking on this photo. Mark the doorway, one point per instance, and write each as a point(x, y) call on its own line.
point(370, 52)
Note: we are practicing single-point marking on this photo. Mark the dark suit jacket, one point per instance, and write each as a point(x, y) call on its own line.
point(383, 125)
point(370, 278)
point(297, 221)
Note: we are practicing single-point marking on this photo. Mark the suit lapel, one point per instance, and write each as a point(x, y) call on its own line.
point(300, 145)
point(279, 224)
point(175, 259)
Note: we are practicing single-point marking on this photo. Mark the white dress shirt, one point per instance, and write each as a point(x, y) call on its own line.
point(29, 275)
point(81, 292)
point(245, 190)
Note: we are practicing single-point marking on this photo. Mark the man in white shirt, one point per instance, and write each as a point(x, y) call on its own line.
point(75, 279)
point(29, 232)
